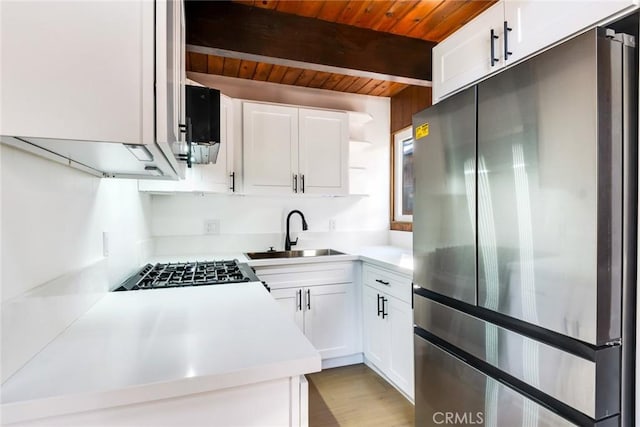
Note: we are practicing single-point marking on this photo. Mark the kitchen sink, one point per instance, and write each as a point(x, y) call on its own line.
point(303, 253)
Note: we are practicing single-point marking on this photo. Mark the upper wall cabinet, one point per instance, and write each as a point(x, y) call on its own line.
point(289, 150)
point(509, 31)
point(100, 84)
point(78, 70)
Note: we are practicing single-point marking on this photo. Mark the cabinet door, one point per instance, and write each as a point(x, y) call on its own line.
point(400, 319)
point(170, 91)
point(209, 178)
point(100, 56)
point(291, 300)
point(376, 332)
point(537, 24)
point(324, 151)
point(328, 319)
point(465, 56)
point(270, 135)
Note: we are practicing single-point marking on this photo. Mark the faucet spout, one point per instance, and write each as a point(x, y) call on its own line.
point(287, 241)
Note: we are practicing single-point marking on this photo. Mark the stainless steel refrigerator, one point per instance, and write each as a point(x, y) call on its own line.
point(524, 243)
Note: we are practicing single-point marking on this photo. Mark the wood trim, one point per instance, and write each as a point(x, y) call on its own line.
point(401, 226)
point(272, 34)
point(403, 106)
point(395, 225)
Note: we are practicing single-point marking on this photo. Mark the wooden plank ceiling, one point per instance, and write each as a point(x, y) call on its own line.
point(431, 20)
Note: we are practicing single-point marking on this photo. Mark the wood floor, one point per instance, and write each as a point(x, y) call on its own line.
point(355, 396)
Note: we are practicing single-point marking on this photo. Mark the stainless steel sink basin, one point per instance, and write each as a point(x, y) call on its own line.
point(303, 253)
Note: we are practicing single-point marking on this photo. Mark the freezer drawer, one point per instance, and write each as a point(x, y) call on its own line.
point(444, 240)
point(591, 386)
point(449, 391)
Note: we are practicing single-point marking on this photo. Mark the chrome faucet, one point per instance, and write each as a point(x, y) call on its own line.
point(287, 241)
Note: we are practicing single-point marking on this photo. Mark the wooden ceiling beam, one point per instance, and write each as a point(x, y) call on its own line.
point(261, 35)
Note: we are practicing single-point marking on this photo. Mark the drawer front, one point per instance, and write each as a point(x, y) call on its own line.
point(448, 387)
point(547, 368)
point(297, 275)
point(386, 281)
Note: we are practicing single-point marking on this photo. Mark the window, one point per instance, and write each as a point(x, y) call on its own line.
point(403, 183)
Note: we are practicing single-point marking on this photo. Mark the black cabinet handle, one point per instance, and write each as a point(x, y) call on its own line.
point(383, 282)
point(295, 183)
point(379, 309)
point(384, 307)
point(232, 175)
point(302, 182)
point(493, 48)
point(308, 299)
point(299, 299)
point(506, 40)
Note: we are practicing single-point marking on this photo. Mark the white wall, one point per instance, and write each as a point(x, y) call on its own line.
point(53, 218)
point(257, 222)
point(51, 260)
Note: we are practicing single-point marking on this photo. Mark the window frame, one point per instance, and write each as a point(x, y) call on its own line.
point(398, 221)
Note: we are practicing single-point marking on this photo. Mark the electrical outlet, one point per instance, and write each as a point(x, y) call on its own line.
point(332, 224)
point(212, 226)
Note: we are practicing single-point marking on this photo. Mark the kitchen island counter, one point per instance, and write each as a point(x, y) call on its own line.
point(143, 346)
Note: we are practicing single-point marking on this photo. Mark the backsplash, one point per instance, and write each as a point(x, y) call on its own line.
point(53, 265)
point(253, 222)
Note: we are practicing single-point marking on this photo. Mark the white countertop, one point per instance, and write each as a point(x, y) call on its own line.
point(398, 259)
point(145, 345)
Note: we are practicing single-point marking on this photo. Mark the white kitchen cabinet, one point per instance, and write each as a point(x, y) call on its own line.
point(78, 70)
point(400, 367)
point(291, 300)
point(270, 148)
point(85, 70)
point(219, 177)
point(465, 56)
point(388, 326)
point(536, 24)
point(375, 332)
point(323, 151)
point(326, 320)
point(290, 150)
point(520, 29)
point(321, 299)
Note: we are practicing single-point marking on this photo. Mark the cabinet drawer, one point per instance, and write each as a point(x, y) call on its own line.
point(392, 283)
point(290, 276)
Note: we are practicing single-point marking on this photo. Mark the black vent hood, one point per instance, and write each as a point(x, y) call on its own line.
point(203, 124)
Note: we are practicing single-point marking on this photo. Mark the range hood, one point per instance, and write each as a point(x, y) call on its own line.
point(203, 124)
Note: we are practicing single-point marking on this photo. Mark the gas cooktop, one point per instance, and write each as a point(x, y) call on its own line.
point(189, 274)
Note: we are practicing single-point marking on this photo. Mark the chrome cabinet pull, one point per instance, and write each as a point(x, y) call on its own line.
point(308, 299)
point(302, 182)
point(232, 175)
point(299, 300)
point(295, 183)
point(379, 309)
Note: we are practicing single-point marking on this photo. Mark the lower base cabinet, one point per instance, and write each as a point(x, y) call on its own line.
point(323, 308)
point(388, 326)
point(323, 314)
